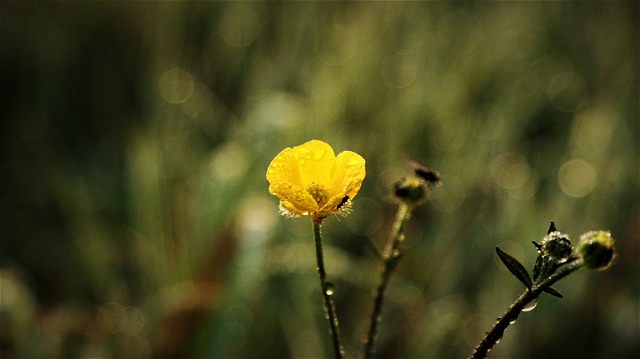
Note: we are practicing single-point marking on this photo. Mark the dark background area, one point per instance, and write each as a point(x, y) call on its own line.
point(135, 137)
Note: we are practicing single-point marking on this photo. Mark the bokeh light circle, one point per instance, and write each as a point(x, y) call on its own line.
point(175, 85)
point(577, 178)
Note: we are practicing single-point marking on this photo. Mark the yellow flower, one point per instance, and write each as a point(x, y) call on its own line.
point(311, 181)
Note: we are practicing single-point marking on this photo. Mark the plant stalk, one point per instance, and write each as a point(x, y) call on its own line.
point(327, 294)
point(494, 336)
point(390, 260)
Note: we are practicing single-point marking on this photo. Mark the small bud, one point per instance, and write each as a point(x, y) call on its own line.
point(411, 190)
point(596, 249)
point(557, 246)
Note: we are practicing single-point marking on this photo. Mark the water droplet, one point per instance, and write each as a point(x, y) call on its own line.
point(395, 253)
point(498, 340)
point(329, 289)
point(530, 306)
point(513, 321)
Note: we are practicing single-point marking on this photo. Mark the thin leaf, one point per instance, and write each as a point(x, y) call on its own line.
point(553, 292)
point(515, 268)
point(537, 268)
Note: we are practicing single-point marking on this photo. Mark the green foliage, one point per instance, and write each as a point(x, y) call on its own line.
point(136, 135)
point(515, 267)
point(553, 292)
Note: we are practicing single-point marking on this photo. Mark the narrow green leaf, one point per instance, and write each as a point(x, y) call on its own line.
point(553, 292)
point(515, 267)
point(537, 268)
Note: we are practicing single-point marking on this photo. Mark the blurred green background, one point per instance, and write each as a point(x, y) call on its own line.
point(136, 135)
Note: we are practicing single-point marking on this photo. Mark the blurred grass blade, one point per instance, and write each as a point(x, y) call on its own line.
point(515, 267)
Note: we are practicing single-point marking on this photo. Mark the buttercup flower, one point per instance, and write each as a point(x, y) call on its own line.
point(311, 181)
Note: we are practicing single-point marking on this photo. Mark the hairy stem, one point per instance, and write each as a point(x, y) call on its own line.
point(390, 260)
point(327, 293)
point(494, 335)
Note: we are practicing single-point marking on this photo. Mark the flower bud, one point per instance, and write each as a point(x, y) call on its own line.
point(557, 246)
point(412, 190)
point(597, 250)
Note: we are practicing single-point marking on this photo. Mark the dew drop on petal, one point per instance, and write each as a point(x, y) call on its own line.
point(530, 306)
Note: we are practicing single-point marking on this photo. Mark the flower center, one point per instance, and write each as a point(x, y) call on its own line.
point(318, 192)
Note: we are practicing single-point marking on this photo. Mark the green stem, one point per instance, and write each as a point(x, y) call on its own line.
point(390, 261)
point(327, 293)
point(494, 336)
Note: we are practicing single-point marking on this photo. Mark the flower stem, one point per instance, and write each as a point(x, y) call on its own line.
point(494, 336)
point(390, 260)
point(327, 293)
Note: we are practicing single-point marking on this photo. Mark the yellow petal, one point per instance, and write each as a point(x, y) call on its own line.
point(332, 203)
point(315, 161)
point(284, 168)
point(291, 210)
point(349, 173)
point(296, 196)
point(352, 188)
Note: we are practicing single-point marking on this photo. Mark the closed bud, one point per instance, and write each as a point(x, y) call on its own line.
point(596, 249)
point(557, 246)
point(412, 190)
